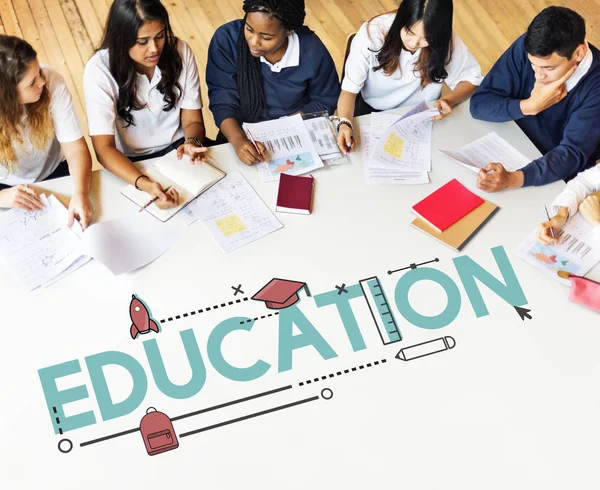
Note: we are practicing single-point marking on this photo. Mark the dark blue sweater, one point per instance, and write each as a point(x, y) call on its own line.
point(567, 133)
point(311, 86)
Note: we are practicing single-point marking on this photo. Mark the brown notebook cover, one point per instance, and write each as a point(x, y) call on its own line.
point(457, 235)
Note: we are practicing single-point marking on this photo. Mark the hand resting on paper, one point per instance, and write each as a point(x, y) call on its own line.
point(494, 177)
point(247, 153)
point(20, 196)
point(590, 210)
point(544, 235)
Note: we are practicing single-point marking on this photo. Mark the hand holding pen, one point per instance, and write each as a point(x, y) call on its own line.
point(164, 199)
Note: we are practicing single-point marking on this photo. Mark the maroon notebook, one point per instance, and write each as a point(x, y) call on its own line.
point(295, 194)
point(445, 206)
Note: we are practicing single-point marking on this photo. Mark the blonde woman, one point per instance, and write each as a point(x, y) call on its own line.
point(39, 128)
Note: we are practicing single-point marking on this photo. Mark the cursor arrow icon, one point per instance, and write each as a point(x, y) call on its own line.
point(523, 313)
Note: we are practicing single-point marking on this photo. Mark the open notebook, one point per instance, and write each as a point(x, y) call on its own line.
point(189, 180)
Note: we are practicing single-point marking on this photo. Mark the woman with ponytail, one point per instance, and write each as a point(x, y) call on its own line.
point(403, 58)
point(142, 95)
point(39, 128)
point(265, 66)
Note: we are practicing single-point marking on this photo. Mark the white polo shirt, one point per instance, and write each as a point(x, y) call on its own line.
point(403, 87)
point(153, 128)
point(35, 164)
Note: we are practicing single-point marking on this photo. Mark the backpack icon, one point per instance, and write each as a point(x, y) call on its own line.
point(157, 431)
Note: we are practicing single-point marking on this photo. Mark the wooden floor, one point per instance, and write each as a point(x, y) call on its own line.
point(66, 32)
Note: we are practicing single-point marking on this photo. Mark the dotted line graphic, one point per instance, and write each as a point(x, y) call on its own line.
point(345, 371)
point(203, 310)
point(259, 318)
point(60, 431)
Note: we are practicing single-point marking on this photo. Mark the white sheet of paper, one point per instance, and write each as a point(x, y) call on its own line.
point(234, 213)
point(290, 149)
point(37, 245)
point(487, 149)
point(576, 251)
point(128, 242)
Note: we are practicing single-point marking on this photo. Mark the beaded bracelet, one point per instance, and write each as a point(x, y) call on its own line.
point(344, 122)
point(136, 181)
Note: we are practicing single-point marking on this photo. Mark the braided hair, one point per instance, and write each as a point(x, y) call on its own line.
point(291, 14)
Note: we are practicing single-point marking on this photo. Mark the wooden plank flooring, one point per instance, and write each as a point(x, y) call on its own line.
point(65, 33)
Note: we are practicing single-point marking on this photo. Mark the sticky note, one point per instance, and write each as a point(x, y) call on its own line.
point(230, 225)
point(393, 145)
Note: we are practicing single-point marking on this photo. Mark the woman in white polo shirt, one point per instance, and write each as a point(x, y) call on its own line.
point(403, 59)
point(142, 95)
point(38, 129)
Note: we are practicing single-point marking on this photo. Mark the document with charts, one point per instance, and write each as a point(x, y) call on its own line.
point(577, 250)
point(234, 213)
point(289, 147)
point(487, 149)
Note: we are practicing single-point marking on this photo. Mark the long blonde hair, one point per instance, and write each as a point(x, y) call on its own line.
point(15, 57)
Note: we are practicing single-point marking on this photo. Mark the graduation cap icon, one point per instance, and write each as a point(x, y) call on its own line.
point(281, 293)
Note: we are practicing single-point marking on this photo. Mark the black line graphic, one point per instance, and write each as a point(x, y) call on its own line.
point(426, 348)
point(260, 317)
point(250, 416)
point(413, 266)
point(203, 310)
point(191, 414)
point(343, 371)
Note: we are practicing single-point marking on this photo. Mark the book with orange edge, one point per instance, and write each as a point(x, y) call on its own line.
point(460, 233)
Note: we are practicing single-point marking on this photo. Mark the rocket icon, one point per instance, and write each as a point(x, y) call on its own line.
point(141, 318)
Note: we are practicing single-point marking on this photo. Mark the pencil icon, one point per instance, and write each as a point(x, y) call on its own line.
point(426, 348)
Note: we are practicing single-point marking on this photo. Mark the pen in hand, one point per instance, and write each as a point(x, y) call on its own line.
point(154, 199)
point(255, 145)
point(548, 217)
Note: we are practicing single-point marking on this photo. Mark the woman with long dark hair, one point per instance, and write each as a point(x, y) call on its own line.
point(403, 58)
point(265, 66)
point(39, 128)
point(142, 94)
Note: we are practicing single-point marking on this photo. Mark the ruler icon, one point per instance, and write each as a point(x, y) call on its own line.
point(380, 310)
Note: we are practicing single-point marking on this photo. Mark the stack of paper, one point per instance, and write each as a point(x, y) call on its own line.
point(37, 245)
point(397, 149)
point(40, 248)
point(289, 147)
point(577, 250)
point(234, 213)
point(322, 135)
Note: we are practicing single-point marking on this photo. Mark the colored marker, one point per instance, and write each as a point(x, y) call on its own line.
point(426, 348)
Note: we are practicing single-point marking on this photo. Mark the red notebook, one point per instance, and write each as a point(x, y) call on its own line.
point(295, 194)
point(444, 207)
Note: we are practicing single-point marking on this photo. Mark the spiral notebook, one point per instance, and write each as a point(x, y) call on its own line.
point(189, 180)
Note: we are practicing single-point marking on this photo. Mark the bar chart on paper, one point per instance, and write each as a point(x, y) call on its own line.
point(576, 250)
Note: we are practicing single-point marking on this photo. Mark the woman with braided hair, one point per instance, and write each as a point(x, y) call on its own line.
point(265, 66)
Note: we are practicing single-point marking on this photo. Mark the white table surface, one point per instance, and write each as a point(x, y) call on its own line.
point(513, 405)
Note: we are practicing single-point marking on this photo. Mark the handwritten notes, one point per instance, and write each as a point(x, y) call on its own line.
point(230, 225)
point(393, 145)
point(37, 245)
point(234, 213)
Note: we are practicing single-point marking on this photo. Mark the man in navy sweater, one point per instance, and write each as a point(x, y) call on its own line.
point(548, 81)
